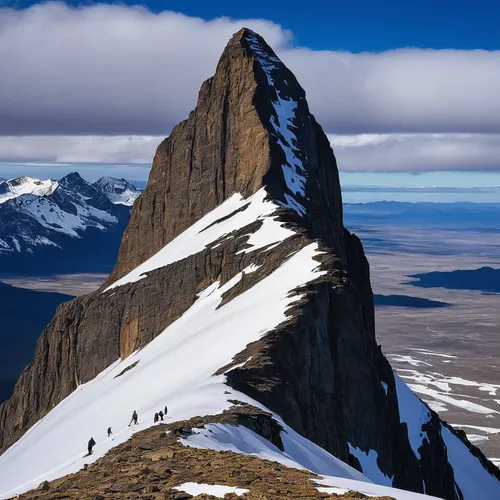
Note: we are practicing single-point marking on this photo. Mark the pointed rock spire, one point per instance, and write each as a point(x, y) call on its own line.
point(251, 128)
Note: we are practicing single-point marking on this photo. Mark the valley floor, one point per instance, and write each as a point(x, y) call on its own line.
point(450, 356)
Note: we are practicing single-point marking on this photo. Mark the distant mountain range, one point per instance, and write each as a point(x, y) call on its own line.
point(69, 225)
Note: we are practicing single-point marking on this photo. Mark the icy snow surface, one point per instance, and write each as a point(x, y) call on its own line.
point(293, 169)
point(217, 490)
point(368, 489)
point(369, 465)
point(175, 368)
point(332, 490)
point(471, 477)
point(207, 230)
point(412, 412)
point(299, 452)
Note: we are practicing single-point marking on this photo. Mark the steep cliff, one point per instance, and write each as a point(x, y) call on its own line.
point(236, 263)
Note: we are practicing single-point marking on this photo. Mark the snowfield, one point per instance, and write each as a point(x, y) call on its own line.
point(175, 370)
point(207, 230)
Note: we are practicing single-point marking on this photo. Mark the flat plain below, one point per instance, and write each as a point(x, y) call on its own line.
point(450, 356)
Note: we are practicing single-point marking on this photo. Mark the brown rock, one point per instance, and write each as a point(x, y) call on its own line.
point(181, 495)
point(321, 369)
point(44, 486)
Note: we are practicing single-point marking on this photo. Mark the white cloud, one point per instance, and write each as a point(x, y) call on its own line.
point(107, 69)
point(355, 153)
point(79, 149)
point(405, 90)
point(123, 77)
point(110, 69)
point(417, 152)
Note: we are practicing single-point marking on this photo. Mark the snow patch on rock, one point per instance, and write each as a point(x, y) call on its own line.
point(216, 490)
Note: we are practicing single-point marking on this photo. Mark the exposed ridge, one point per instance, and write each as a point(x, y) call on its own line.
point(251, 128)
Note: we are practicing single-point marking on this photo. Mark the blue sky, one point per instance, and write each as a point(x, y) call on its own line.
point(400, 88)
point(357, 25)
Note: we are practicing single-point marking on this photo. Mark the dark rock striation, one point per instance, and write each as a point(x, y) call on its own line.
point(321, 370)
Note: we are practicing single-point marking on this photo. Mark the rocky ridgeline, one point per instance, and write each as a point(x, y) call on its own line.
point(153, 463)
point(321, 370)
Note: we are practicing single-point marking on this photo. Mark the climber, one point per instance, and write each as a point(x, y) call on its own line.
point(134, 418)
point(109, 431)
point(91, 445)
point(156, 417)
point(161, 414)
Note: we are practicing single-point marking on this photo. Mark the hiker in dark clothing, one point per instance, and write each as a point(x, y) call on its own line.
point(91, 445)
point(109, 431)
point(134, 419)
point(156, 417)
point(161, 414)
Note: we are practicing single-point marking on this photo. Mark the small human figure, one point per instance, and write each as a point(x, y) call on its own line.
point(161, 414)
point(110, 432)
point(165, 412)
point(134, 418)
point(91, 445)
point(156, 417)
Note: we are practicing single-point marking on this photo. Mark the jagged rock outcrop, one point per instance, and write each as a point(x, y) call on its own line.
point(229, 145)
point(321, 369)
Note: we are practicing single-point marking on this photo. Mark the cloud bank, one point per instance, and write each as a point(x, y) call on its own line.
point(417, 152)
point(355, 153)
point(111, 70)
point(106, 83)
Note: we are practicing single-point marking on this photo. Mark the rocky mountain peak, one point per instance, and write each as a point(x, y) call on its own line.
point(72, 178)
point(119, 191)
point(236, 285)
point(251, 128)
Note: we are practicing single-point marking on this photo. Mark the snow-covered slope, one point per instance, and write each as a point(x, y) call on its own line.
point(175, 369)
point(233, 214)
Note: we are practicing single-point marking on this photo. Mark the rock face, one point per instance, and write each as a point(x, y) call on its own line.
point(231, 143)
point(321, 370)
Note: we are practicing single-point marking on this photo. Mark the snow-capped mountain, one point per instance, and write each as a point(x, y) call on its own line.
point(45, 222)
point(13, 188)
point(118, 190)
point(237, 291)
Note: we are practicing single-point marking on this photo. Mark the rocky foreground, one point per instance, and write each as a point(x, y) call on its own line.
point(153, 462)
